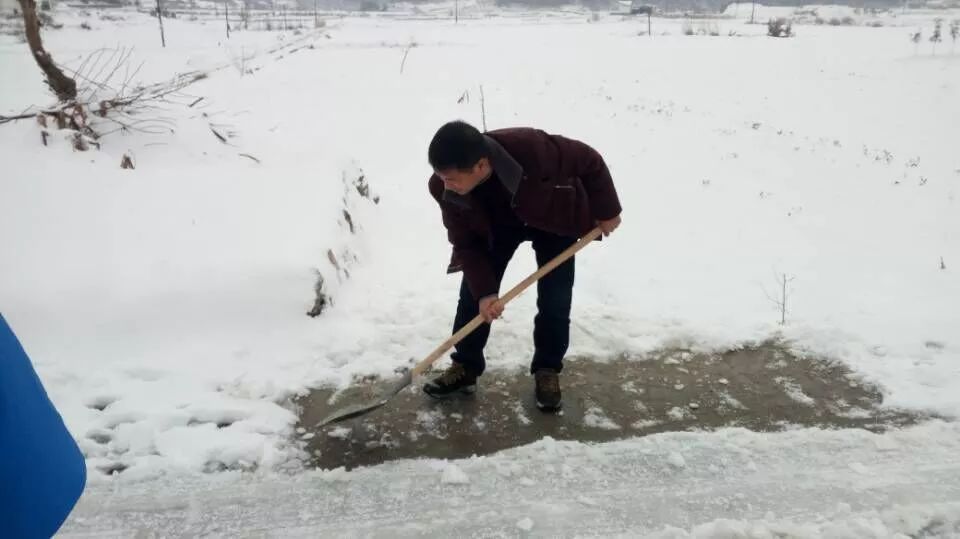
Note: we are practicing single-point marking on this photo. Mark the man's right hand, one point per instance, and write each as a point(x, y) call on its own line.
point(609, 225)
point(491, 308)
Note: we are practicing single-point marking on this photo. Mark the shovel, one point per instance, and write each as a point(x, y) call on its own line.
point(355, 410)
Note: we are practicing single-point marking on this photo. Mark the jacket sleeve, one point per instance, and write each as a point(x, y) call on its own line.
point(579, 159)
point(470, 250)
point(470, 253)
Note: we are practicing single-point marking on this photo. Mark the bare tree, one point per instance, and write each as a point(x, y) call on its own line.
point(63, 86)
point(936, 36)
point(483, 108)
point(780, 300)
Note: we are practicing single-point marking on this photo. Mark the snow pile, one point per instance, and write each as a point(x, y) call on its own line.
point(934, 520)
point(621, 489)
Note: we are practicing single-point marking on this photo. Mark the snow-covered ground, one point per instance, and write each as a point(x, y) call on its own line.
point(730, 484)
point(165, 306)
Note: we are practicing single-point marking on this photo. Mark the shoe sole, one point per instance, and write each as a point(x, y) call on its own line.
point(468, 390)
point(544, 408)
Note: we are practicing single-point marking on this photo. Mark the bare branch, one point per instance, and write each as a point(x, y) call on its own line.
point(5, 119)
point(222, 138)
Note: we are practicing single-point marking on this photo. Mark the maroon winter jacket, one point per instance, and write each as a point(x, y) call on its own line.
point(558, 185)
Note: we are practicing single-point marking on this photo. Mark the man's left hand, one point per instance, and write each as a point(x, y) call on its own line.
point(609, 225)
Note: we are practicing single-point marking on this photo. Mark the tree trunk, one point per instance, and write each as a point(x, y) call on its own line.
point(163, 39)
point(63, 86)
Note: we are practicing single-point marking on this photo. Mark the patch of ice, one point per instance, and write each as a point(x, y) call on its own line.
point(728, 400)
point(793, 390)
point(644, 423)
point(597, 419)
point(432, 422)
point(521, 415)
point(679, 414)
point(856, 413)
point(340, 432)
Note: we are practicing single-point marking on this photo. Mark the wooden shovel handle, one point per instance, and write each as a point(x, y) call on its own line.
point(514, 292)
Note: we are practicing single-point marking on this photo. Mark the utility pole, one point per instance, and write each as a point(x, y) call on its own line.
point(163, 40)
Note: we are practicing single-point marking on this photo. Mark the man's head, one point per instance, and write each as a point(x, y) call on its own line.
point(459, 156)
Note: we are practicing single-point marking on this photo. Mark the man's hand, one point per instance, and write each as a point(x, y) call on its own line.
point(491, 308)
point(609, 225)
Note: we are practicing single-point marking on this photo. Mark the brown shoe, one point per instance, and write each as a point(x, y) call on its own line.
point(549, 398)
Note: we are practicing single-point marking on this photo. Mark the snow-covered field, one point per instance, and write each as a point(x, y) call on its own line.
point(165, 306)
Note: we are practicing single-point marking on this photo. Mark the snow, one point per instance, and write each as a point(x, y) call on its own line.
point(596, 418)
point(936, 520)
point(620, 488)
point(679, 414)
point(793, 390)
point(676, 460)
point(525, 524)
point(165, 306)
point(452, 475)
point(339, 432)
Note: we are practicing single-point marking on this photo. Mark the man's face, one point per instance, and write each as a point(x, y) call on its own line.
point(463, 181)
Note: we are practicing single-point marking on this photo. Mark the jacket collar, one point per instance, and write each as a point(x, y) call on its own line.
point(507, 169)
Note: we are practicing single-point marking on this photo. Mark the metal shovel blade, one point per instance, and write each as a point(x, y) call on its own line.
point(355, 410)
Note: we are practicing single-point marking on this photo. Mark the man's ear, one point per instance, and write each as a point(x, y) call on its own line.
point(483, 165)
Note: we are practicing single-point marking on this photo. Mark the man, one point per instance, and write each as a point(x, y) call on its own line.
point(495, 191)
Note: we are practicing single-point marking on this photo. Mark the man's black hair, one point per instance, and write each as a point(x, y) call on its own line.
point(457, 145)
